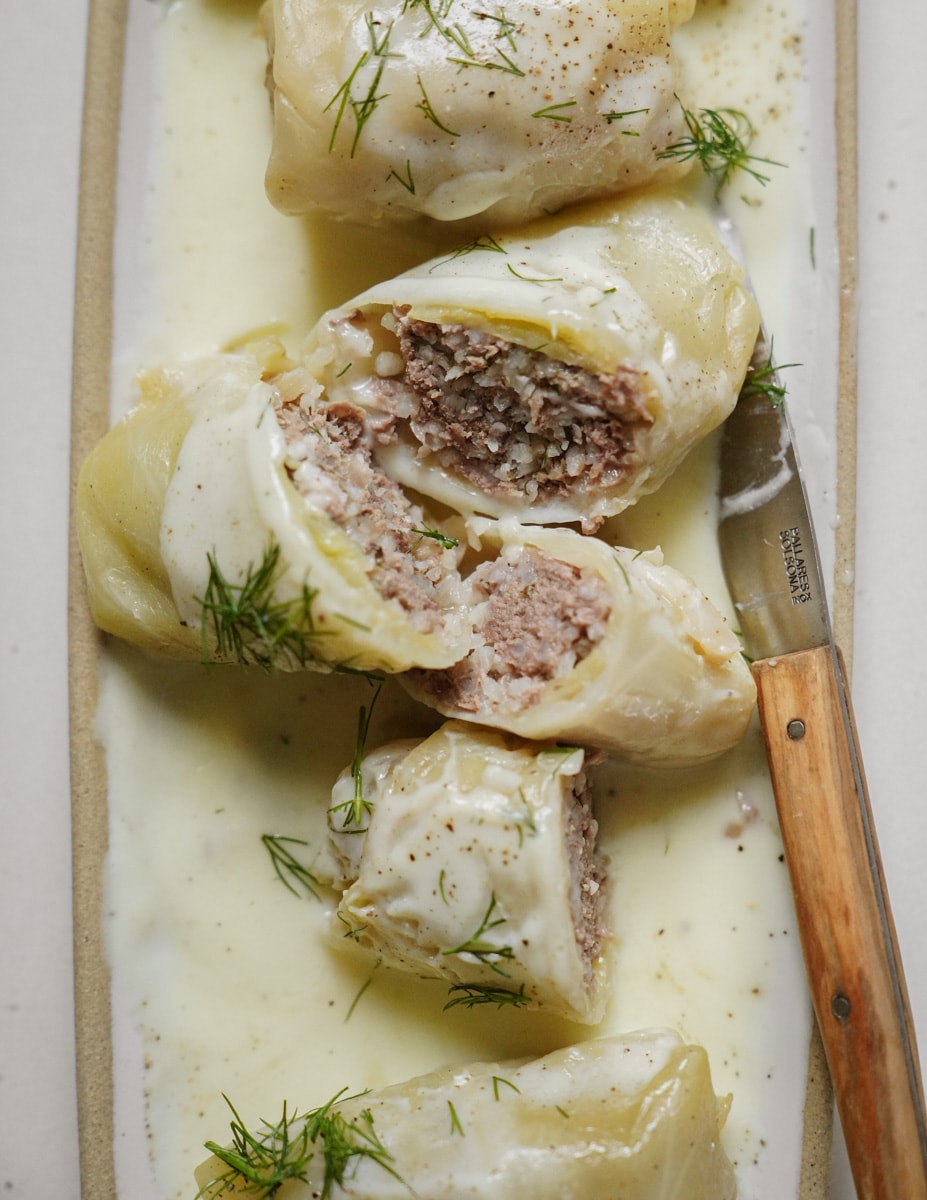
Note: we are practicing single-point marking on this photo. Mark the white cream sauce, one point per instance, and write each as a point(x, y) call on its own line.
point(229, 976)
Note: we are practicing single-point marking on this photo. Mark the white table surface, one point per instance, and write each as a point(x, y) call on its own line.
point(41, 82)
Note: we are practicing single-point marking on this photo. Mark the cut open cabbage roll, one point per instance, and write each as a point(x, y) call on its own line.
point(471, 856)
point(556, 374)
point(602, 646)
point(622, 1118)
point(459, 110)
point(223, 518)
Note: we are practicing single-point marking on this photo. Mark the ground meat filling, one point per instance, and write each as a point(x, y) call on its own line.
point(510, 419)
point(587, 872)
point(330, 462)
point(534, 619)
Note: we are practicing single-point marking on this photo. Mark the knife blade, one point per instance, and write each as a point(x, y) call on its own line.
point(771, 563)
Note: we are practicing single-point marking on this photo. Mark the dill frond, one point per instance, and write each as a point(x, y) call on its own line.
point(471, 994)
point(479, 948)
point(443, 540)
point(358, 806)
point(496, 1080)
point(552, 112)
point(720, 138)
point(428, 110)
point(763, 380)
point(365, 105)
point(287, 864)
point(483, 241)
point(249, 626)
point(268, 1158)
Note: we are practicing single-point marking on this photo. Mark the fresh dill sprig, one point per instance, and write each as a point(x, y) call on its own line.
point(524, 820)
point(507, 28)
point(355, 808)
point(437, 13)
point(763, 380)
point(456, 1126)
point(266, 1159)
point(286, 863)
point(620, 116)
point(277, 1153)
point(552, 111)
point(360, 991)
point(343, 1140)
point(562, 751)
point(621, 567)
point(353, 931)
point(427, 108)
point(479, 948)
point(559, 753)
point(354, 623)
point(408, 183)
point(363, 728)
point(483, 241)
point(496, 1080)
point(248, 625)
point(507, 65)
point(442, 9)
point(365, 106)
point(443, 540)
point(471, 994)
point(457, 36)
point(720, 138)
point(533, 278)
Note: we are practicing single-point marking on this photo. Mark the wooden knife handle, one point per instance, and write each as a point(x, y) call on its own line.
point(844, 920)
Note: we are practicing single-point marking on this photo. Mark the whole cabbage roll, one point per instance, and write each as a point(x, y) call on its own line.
point(224, 519)
point(609, 1119)
point(609, 647)
point(463, 111)
point(471, 856)
point(556, 374)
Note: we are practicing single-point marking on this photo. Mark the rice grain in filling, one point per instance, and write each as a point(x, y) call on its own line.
point(329, 461)
point(508, 418)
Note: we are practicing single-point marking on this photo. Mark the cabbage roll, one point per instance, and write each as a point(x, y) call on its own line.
point(556, 374)
point(463, 111)
point(623, 1118)
point(572, 638)
point(471, 856)
point(225, 519)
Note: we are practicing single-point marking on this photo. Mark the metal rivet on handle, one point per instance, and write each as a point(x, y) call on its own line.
point(795, 729)
point(840, 1006)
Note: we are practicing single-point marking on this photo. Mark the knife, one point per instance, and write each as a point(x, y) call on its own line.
point(854, 969)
